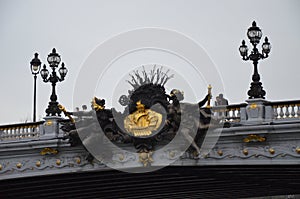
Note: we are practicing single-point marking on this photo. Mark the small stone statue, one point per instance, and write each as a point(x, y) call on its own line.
point(220, 100)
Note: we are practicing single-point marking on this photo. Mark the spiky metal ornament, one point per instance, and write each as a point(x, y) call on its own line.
point(155, 76)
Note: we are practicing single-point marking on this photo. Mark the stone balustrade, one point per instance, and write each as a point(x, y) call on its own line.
point(20, 131)
point(229, 113)
point(255, 136)
point(280, 110)
point(286, 109)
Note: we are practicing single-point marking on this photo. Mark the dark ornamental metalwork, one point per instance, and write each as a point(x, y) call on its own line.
point(53, 60)
point(35, 66)
point(254, 34)
point(151, 117)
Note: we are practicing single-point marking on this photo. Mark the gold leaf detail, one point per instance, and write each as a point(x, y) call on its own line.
point(143, 121)
point(245, 152)
point(58, 162)
point(38, 163)
point(145, 158)
point(254, 138)
point(253, 106)
point(272, 151)
point(47, 151)
point(49, 123)
point(19, 165)
point(220, 152)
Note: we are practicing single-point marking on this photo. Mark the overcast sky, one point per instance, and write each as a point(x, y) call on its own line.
point(77, 28)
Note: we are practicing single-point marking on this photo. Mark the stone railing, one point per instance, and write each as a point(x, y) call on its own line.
point(228, 113)
point(285, 109)
point(20, 131)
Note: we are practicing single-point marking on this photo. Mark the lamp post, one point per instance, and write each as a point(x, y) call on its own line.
point(53, 60)
point(35, 66)
point(254, 34)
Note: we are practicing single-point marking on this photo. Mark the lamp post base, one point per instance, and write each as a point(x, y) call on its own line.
point(256, 91)
point(53, 109)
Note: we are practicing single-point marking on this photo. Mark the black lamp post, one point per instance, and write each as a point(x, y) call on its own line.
point(35, 66)
point(254, 34)
point(53, 60)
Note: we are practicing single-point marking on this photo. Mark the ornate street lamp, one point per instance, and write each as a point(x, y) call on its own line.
point(254, 34)
point(35, 66)
point(53, 60)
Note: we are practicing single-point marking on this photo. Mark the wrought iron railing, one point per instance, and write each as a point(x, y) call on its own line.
point(20, 131)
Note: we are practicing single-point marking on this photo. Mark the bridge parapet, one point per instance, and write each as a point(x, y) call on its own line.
point(256, 136)
point(229, 113)
point(258, 110)
point(20, 132)
point(286, 109)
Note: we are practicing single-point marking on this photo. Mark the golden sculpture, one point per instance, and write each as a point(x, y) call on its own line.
point(63, 109)
point(143, 121)
point(209, 96)
point(96, 106)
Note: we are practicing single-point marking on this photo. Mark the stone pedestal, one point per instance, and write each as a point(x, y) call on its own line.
point(51, 127)
point(256, 112)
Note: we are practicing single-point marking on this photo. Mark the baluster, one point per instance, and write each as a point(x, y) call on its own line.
point(287, 111)
point(12, 132)
point(281, 114)
point(227, 114)
point(21, 134)
point(238, 113)
point(2, 134)
point(16, 130)
point(24, 135)
point(16, 133)
point(298, 112)
point(293, 113)
point(24, 131)
point(33, 129)
point(8, 133)
point(28, 131)
point(216, 113)
point(28, 135)
point(233, 113)
point(37, 132)
point(275, 112)
point(222, 113)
